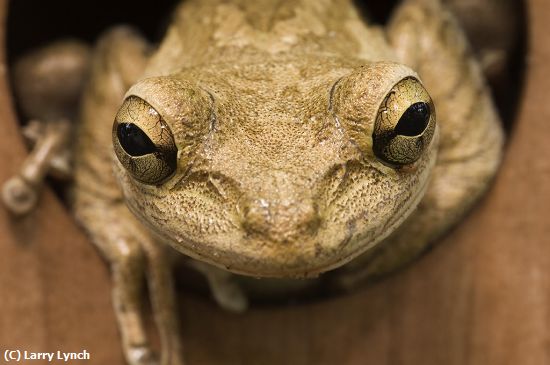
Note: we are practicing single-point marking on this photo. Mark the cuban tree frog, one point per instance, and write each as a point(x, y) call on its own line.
point(278, 139)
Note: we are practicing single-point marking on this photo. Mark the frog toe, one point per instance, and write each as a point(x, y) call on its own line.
point(141, 355)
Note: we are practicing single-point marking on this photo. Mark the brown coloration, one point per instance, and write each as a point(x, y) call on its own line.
point(276, 174)
point(492, 31)
point(20, 193)
point(273, 120)
point(48, 85)
point(262, 151)
point(389, 143)
point(158, 161)
point(48, 82)
point(251, 197)
point(470, 134)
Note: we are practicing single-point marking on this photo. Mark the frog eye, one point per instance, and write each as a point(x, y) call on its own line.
point(405, 124)
point(143, 142)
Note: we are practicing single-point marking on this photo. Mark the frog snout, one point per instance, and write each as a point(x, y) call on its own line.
point(280, 221)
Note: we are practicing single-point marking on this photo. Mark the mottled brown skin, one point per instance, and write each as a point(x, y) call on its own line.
point(275, 156)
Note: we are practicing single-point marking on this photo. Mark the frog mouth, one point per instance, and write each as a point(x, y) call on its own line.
point(307, 250)
point(302, 236)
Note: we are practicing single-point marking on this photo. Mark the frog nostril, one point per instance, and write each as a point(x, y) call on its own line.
point(280, 221)
point(256, 214)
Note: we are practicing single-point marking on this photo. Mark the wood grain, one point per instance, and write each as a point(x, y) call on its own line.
point(54, 288)
point(481, 297)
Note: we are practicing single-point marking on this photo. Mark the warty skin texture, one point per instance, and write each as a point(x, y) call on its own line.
point(268, 114)
point(272, 180)
point(262, 193)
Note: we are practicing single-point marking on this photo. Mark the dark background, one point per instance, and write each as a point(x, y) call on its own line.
point(479, 298)
point(34, 23)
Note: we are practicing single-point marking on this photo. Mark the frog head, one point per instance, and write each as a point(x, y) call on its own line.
point(283, 168)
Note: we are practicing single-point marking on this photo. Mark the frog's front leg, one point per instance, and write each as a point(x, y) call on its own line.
point(427, 38)
point(161, 288)
point(47, 83)
point(133, 255)
point(121, 245)
point(225, 289)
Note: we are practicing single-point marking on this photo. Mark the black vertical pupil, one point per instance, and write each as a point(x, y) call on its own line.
point(134, 141)
point(414, 121)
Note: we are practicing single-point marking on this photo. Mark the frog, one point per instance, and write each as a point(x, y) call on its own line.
point(285, 141)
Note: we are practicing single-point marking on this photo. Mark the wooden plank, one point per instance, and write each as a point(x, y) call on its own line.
point(480, 297)
point(54, 289)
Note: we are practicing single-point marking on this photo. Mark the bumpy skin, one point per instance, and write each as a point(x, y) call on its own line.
point(470, 134)
point(272, 107)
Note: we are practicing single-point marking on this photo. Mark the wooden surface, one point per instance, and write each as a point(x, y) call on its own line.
point(481, 297)
point(54, 289)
